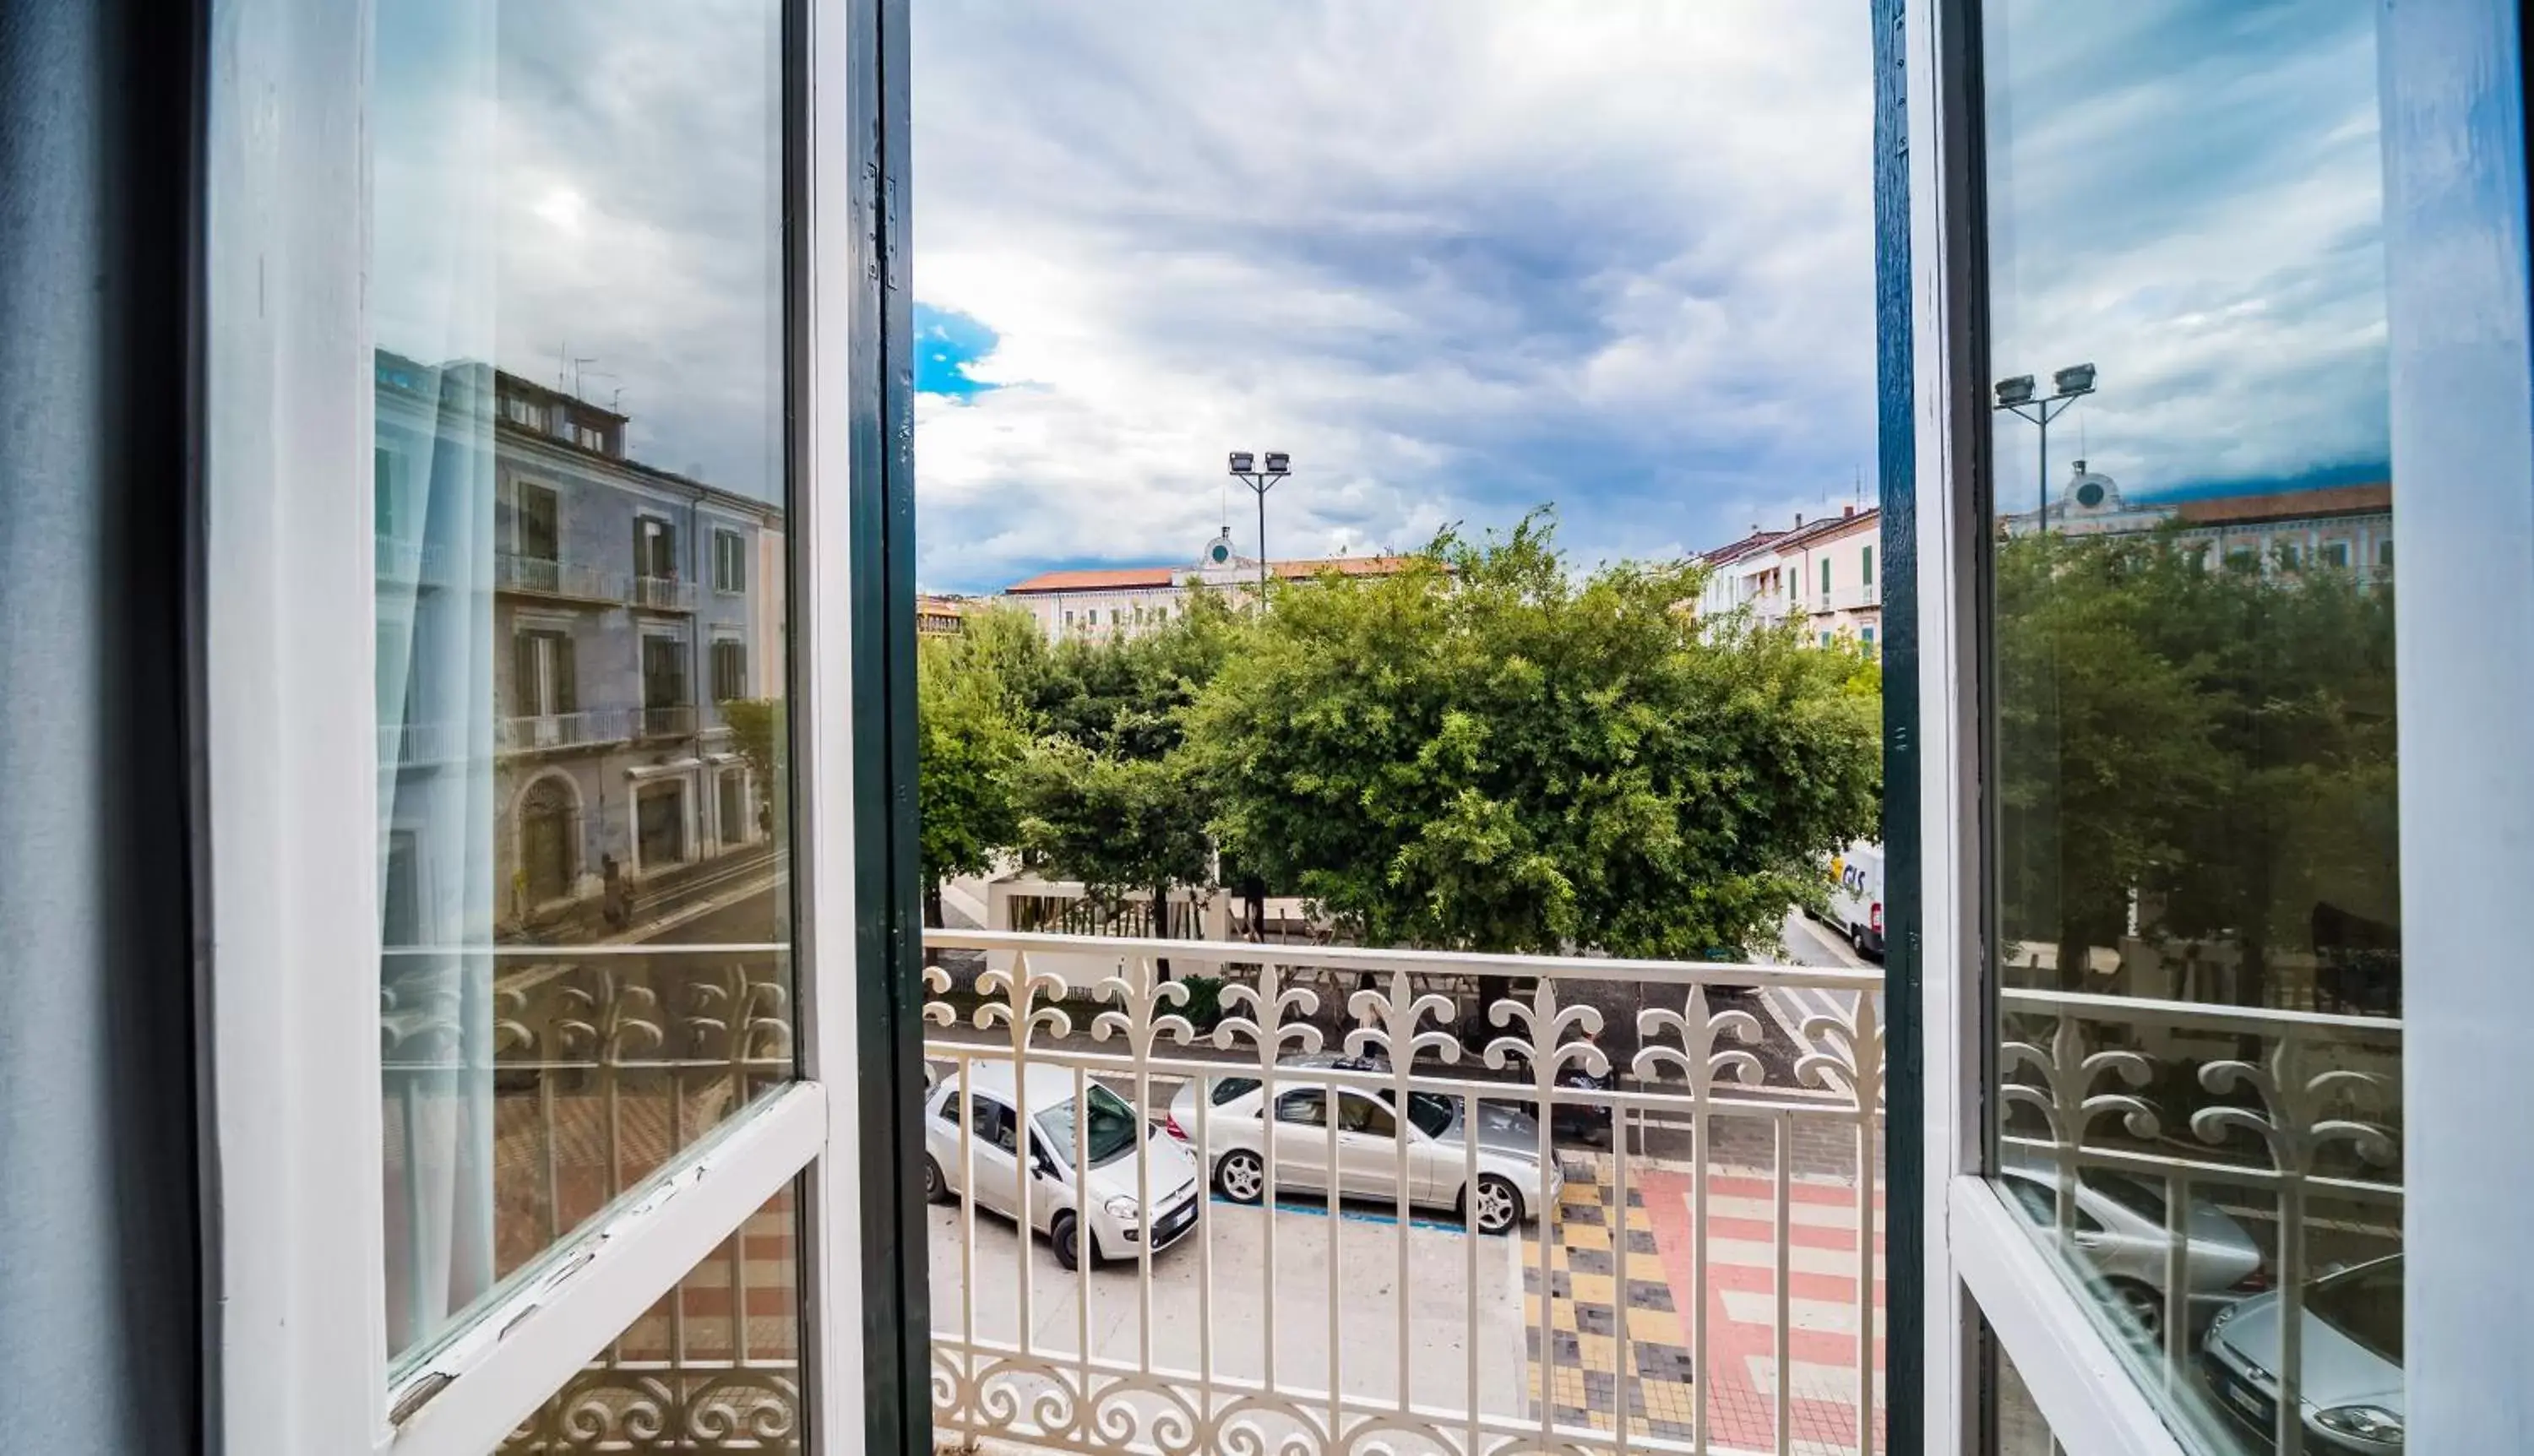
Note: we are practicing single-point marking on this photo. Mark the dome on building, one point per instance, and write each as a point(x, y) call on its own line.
point(2090, 492)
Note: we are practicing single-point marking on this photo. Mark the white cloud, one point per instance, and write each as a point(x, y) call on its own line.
point(1458, 258)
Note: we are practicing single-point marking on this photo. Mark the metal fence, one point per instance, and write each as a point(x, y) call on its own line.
point(2286, 1122)
point(1672, 1290)
point(553, 1081)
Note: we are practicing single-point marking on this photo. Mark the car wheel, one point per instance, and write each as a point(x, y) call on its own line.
point(937, 1188)
point(2145, 1307)
point(1064, 1233)
point(1496, 1207)
point(1240, 1175)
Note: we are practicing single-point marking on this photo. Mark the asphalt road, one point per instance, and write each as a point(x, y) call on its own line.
point(1811, 945)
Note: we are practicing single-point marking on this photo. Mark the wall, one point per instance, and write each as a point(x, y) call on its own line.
point(101, 1268)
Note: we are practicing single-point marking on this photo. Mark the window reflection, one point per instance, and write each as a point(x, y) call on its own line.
point(2190, 547)
point(714, 1366)
point(579, 517)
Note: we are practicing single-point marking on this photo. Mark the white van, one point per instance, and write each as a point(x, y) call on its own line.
point(1856, 896)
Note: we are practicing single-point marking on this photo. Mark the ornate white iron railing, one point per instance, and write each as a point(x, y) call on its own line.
point(2290, 1119)
point(1742, 1168)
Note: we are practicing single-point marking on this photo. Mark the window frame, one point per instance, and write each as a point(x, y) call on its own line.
point(2462, 408)
point(296, 1262)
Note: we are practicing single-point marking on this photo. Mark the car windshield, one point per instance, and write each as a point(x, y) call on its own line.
point(1113, 1128)
point(2130, 1193)
point(2366, 1305)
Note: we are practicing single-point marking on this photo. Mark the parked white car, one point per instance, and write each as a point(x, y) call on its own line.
point(2120, 1234)
point(1512, 1184)
point(1056, 1207)
point(2350, 1387)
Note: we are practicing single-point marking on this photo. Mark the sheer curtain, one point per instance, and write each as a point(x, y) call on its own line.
point(434, 308)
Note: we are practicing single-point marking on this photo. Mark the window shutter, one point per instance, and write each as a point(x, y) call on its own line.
point(523, 674)
point(567, 677)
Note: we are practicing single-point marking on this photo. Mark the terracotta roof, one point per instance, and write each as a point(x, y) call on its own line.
point(2297, 505)
point(1123, 578)
point(1739, 549)
point(1828, 526)
point(1100, 581)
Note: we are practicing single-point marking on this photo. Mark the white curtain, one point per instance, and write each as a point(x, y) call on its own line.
point(432, 295)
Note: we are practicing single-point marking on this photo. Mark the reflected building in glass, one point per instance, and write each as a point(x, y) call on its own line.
point(627, 604)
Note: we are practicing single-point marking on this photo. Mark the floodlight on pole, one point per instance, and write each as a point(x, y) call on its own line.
point(2016, 396)
point(1246, 469)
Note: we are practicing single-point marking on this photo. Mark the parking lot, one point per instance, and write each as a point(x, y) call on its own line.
point(1335, 1296)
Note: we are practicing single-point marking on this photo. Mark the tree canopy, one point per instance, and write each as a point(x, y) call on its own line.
point(1489, 752)
point(2204, 750)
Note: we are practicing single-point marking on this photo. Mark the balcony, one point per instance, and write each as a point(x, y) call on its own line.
point(1678, 1162)
point(422, 744)
point(399, 561)
point(540, 575)
point(545, 732)
point(675, 720)
point(662, 595)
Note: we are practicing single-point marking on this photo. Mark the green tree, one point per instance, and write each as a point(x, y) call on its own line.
point(1105, 797)
point(968, 740)
point(2202, 750)
point(1114, 822)
point(1489, 752)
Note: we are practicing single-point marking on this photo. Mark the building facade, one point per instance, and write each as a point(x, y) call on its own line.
point(625, 605)
point(1112, 601)
point(1820, 575)
point(2345, 528)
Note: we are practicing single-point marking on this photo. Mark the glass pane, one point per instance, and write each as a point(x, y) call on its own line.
point(2018, 1427)
point(578, 295)
point(2199, 1046)
point(715, 1365)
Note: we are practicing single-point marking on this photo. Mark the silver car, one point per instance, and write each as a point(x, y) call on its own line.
point(2120, 1234)
point(2350, 1380)
point(1375, 1146)
point(1114, 1179)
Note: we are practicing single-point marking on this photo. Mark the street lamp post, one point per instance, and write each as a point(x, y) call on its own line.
point(2015, 397)
point(1260, 474)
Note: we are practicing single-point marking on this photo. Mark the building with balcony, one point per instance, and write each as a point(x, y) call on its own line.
point(627, 602)
point(1818, 575)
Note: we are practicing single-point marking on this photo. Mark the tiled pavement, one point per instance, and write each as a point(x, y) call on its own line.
point(1589, 1245)
point(1741, 1310)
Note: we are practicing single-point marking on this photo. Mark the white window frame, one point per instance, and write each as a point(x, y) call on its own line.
point(733, 582)
point(292, 1193)
point(2462, 438)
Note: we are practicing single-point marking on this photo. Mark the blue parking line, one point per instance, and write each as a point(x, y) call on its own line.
point(1301, 1203)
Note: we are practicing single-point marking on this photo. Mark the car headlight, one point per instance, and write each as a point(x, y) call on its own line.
point(1124, 1208)
point(2221, 1318)
point(2362, 1422)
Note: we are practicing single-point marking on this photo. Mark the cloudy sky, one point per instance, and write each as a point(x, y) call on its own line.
point(2189, 195)
point(1462, 258)
point(1459, 257)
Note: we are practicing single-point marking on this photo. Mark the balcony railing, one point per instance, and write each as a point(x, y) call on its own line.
point(2284, 1124)
point(678, 720)
point(663, 595)
point(422, 744)
point(538, 732)
point(1622, 1212)
point(401, 562)
point(512, 572)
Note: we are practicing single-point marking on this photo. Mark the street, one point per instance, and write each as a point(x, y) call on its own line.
point(1808, 944)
